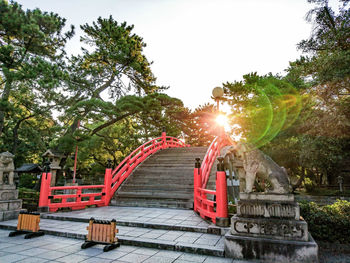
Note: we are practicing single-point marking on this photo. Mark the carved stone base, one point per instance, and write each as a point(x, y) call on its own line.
point(267, 197)
point(268, 209)
point(281, 229)
point(8, 194)
point(9, 204)
point(271, 250)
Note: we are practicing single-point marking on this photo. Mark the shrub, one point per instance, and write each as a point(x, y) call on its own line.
point(329, 223)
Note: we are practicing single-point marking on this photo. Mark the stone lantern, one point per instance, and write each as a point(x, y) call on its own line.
point(10, 205)
point(55, 158)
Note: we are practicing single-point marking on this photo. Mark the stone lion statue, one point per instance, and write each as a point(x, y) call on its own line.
point(255, 164)
point(6, 167)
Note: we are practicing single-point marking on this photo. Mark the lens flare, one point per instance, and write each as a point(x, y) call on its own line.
point(223, 121)
point(273, 105)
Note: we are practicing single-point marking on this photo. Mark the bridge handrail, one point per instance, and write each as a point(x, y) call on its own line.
point(212, 153)
point(216, 208)
point(113, 179)
point(126, 167)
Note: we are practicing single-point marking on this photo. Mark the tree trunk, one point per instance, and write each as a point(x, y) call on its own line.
point(4, 99)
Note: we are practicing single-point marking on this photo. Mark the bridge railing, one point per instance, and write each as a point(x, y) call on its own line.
point(214, 208)
point(78, 197)
point(126, 167)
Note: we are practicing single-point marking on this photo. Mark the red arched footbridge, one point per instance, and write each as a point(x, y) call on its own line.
point(160, 173)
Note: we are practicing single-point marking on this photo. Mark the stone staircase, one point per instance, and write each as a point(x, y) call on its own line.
point(165, 179)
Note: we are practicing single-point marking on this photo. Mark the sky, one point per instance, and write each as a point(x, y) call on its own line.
point(196, 45)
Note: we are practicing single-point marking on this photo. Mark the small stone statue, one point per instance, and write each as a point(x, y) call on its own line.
point(6, 167)
point(340, 182)
point(257, 164)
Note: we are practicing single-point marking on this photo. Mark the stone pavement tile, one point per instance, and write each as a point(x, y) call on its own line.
point(72, 258)
point(168, 237)
point(19, 240)
point(12, 258)
point(136, 233)
point(220, 243)
point(75, 248)
point(52, 255)
point(169, 254)
point(151, 235)
point(181, 261)
point(165, 216)
point(33, 260)
point(217, 260)
point(90, 252)
point(186, 239)
point(192, 234)
point(54, 245)
point(112, 255)
point(211, 236)
point(16, 248)
point(193, 257)
point(4, 245)
point(33, 251)
point(172, 221)
point(125, 248)
point(208, 242)
point(146, 251)
point(134, 258)
point(38, 243)
point(97, 260)
point(155, 259)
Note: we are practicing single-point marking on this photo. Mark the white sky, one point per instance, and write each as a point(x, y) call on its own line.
point(199, 44)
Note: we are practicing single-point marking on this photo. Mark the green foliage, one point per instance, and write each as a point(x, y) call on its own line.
point(27, 180)
point(31, 51)
point(309, 185)
point(329, 223)
point(201, 127)
point(262, 106)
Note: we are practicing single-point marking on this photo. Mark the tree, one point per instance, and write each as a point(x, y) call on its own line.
point(114, 64)
point(201, 128)
point(31, 68)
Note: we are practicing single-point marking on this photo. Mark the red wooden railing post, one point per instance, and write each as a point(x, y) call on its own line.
point(108, 183)
point(45, 188)
point(196, 183)
point(221, 195)
point(164, 146)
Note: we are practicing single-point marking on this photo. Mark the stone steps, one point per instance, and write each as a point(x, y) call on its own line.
point(165, 179)
point(174, 240)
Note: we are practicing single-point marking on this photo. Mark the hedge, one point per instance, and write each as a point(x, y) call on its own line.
point(330, 223)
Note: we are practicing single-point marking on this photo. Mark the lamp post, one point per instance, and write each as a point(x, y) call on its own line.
point(218, 93)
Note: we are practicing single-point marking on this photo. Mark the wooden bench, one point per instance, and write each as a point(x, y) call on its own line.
point(28, 223)
point(102, 232)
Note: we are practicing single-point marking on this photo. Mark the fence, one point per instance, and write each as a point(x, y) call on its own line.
point(100, 195)
point(216, 208)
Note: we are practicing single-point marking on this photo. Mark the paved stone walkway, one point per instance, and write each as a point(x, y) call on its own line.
point(58, 249)
point(168, 238)
point(164, 216)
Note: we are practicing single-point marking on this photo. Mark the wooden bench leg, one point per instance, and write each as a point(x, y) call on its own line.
point(16, 233)
point(34, 234)
point(88, 244)
point(111, 246)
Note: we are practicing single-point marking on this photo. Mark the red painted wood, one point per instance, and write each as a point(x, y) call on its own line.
point(113, 179)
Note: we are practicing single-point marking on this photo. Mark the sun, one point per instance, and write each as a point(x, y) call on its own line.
point(223, 121)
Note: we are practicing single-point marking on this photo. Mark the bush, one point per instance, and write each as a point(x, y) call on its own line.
point(330, 223)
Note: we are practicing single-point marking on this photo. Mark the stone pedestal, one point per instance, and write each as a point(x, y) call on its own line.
point(269, 227)
point(10, 205)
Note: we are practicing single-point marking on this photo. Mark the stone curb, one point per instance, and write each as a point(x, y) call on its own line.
point(208, 230)
point(142, 242)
